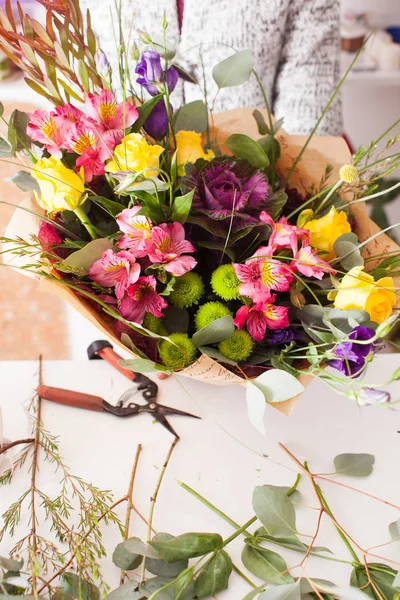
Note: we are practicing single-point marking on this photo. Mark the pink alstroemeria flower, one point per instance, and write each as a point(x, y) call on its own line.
point(69, 112)
point(260, 317)
point(141, 298)
point(113, 117)
point(284, 235)
point(118, 270)
point(166, 246)
point(137, 229)
point(46, 128)
point(260, 274)
point(309, 264)
point(84, 138)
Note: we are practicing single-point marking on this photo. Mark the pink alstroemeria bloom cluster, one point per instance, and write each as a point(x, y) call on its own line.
point(142, 246)
point(92, 134)
point(268, 271)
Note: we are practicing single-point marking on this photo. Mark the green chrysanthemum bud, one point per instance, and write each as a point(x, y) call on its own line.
point(209, 312)
point(180, 356)
point(154, 324)
point(238, 347)
point(225, 283)
point(188, 289)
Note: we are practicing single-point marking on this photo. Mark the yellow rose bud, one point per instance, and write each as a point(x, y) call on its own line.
point(134, 153)
point(325, 231)
point(348, 173)
point(359, 290)
point(189, 149)
point(60, 187)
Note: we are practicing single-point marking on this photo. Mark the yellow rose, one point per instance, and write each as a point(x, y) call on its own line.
point(325, 231)
point(359, 290)
point(134, 153)
point(60, 187)
point(189, 149)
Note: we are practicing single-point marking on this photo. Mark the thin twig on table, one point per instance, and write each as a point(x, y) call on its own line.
point(7, 447)
point(129, 498)
point(153, 499)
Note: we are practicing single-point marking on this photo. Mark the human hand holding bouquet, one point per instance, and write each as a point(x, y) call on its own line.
point(202, 250)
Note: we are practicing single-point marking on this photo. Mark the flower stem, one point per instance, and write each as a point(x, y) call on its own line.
point(82, 216)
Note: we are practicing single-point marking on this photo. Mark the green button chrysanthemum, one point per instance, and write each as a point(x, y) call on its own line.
point(177, 356)
point(238, 347)
point(154, 324)
point(209, 312)
point(225, 283)
point(188, 289)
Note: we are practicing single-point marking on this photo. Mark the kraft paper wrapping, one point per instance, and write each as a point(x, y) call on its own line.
point(321, 152)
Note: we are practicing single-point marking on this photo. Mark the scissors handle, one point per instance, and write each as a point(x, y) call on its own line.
point(71, 398)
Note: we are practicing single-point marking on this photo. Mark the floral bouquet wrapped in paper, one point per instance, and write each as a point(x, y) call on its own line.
point(215, 246)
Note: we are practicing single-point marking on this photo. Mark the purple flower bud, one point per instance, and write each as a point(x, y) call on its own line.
point(351, 356)
point(156, 124)
point(368, 396)
point(102, 64)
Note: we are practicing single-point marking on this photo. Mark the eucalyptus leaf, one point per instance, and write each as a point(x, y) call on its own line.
point(124, 558)
point(161, 567)
point(266, 564)
point(278, 385)
point(128, 591)
point(275, 510)
point(181, 207)
point(350, 252)
point(80, 261)
point(217, 331)
point(17, 135)
point(5, 149)
point(256, 404)
point(134, 546)
point(263, 128)
point(11, 564)
point(354, 465)
point(213, 353)
point(394, 530)
point(145, 111)
point(192, 117)
point(152, 585)
point(187, 545)
point(164, 48)
point(287, 591)
point(142, 365)
point(396, 581)
point(25, 182)
point(214, 576)
point(17, 581)
point(234, 70)
point(243, 146)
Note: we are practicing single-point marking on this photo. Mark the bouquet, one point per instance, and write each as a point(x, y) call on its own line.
point(215, 246)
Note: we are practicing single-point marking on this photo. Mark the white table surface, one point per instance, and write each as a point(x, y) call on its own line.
point(220, 456)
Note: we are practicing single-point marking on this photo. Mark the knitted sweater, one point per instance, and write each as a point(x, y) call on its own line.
point(295, 44)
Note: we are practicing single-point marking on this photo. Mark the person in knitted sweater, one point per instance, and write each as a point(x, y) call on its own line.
point(295, 44)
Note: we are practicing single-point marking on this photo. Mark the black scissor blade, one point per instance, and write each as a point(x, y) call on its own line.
point(163, 421)
point(168, 410)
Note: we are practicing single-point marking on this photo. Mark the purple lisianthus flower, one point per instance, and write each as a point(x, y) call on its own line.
point(226, 188)
point(151, 73)
point(282, 336)
point(350, 357)
point(367, 396)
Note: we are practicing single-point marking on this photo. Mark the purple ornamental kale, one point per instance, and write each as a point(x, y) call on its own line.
point(351, 356)
point(228, 187)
